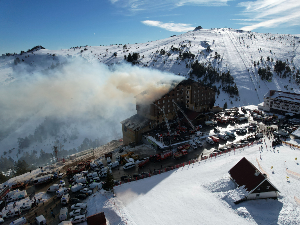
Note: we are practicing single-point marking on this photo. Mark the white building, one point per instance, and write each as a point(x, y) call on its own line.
point(282, 101)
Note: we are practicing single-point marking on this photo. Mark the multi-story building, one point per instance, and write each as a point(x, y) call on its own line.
point(187, 94)
point(282, 102)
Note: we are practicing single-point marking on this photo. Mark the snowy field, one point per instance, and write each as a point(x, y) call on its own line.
point(202, 193)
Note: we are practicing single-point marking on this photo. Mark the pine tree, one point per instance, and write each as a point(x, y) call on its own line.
point(109, 182)
point(21, 167)
point(3, 178)
point(225, 105)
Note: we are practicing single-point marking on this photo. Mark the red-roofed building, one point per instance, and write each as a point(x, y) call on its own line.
point(244, 173)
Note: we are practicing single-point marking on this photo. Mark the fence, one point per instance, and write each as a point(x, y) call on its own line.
point(290, 144)
point(192, 161)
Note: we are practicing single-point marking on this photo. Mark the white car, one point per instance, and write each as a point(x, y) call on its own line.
point(62, 191)
point(62, 183)
point(86, 191)
point(65, 199)
point(84, 173)
point(193, 145)
point(199, 143)
point(103, 174)
point(129, 165)
point(25, 207)
point(60, 176)
point(78, 219)
point(11, 214)
point(77, 212)
point(95, 179)
point(79, 206)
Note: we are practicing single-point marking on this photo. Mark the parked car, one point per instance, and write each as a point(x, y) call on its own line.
point(129, 165)
point(11, 213)
point(276, 134)
point(78, 219)
point(94, 184)
point(210, 141)
point(95, 179)
point(53, 188)
point(86, 191)
point(60, 176)
point(230, 134)
point(82, 196)
point(193, 145)
point(62, 183)
point(25, 206)
point(79, 206)
point(62, 191)
point(74, 200)
point(19, 221)
point(63, 214)
point(65, 199)
point(77, 212)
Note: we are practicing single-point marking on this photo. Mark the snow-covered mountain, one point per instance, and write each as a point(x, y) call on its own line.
point(40, 83)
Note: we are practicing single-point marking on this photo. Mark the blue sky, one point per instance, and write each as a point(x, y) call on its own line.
point(61, 24)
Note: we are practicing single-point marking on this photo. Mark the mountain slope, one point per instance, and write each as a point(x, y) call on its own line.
point(242, 54)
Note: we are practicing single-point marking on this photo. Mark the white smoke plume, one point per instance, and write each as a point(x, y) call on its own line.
point(83, 91)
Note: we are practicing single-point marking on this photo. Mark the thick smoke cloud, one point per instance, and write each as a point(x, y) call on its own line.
point(83, 91)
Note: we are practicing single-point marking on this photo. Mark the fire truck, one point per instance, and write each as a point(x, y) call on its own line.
point(161, 156)
point(222, 120)
point(179, 154)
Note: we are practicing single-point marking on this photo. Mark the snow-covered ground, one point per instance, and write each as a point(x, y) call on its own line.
point(238, 51)
point(202, 193)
